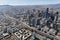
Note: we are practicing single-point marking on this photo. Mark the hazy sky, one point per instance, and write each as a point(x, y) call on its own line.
point(28, 2)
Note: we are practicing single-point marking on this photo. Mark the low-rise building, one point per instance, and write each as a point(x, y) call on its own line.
point(52, 32)
point(23, 34)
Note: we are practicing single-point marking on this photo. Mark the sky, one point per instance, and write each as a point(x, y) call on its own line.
point(28, 2)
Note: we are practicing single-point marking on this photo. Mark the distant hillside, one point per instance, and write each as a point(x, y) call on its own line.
point(13, 10)
point(7, 7)
point(52, 6)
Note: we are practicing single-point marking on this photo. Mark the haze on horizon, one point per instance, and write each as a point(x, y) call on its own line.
point(28, 2)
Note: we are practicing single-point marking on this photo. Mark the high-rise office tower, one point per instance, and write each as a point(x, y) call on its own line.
point(56, 16)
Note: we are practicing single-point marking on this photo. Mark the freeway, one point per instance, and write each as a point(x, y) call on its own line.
point(32, 28)
point(37, 31)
